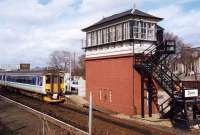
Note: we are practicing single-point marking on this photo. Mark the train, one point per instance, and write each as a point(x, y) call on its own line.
point(47, 84)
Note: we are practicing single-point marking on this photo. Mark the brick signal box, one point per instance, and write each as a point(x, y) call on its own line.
point(111, 45)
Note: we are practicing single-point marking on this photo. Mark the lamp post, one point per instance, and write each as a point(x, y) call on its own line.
point(70, 72)
point(69, 62)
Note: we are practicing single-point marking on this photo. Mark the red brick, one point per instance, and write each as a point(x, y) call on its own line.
point(117, 76)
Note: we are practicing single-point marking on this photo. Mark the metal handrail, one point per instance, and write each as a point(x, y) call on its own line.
point(162, 108)
point(174, 82)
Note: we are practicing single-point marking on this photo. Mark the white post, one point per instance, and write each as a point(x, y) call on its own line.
point(70, 72)
point(90, 115)
point(68, 62)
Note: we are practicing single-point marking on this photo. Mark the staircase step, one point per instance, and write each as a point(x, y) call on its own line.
point(150, 60)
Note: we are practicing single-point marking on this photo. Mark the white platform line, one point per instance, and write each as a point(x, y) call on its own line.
point(46, 116)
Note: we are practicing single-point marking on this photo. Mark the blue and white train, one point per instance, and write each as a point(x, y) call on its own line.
point(48, 84)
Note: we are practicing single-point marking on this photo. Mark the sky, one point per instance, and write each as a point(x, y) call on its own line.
point(31, 29)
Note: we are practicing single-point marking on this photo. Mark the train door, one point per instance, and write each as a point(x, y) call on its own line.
point(48, 84)
point(55, 83)
point(52, 85)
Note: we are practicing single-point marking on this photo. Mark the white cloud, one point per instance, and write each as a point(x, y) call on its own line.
point(184, 24)
point(26, 10)
point(30, 30)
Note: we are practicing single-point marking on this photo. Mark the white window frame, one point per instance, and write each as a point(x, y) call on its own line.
point(112, 34)
point(119, 32)
point(89, 39)
point(148, 27)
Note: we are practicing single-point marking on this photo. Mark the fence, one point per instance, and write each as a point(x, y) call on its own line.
point(192, 84)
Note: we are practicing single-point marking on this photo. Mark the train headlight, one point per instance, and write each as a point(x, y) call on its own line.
point(55, 96)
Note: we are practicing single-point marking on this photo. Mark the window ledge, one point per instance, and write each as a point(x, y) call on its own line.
point(121, 41)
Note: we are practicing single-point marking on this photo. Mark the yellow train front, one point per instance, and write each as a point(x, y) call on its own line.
point(48, 85)
point(54, 86)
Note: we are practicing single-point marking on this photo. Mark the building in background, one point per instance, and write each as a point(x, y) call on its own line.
point(187, 64)
point(77, 85)
point(24, 67)
point(80, 85)
point(9, 67)
point(110, 47)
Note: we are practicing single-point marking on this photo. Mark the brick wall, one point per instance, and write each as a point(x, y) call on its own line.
point(114, 84)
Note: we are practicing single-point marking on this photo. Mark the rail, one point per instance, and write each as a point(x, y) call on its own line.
point(49, 118)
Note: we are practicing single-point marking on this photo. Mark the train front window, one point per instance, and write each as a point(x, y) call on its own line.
point(55, 79)
point(48, 79)
point(61, 79)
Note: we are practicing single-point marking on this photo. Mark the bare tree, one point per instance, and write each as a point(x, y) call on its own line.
point(80, 68)
point(58, 60)
point(178, 40)
point(196, 56)
point(184, 54)
point(187, 59)
point(179, 44)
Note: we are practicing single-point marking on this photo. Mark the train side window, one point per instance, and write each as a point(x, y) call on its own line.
point(48, 79)
point(13, 79)
point(7, 79)
point(34, 80)
point(28, 80)
point(18, 79)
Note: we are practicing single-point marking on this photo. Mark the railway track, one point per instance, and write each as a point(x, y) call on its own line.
point(53, 120)
point(102, 123)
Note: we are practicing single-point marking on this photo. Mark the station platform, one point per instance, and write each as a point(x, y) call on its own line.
point(16, 121)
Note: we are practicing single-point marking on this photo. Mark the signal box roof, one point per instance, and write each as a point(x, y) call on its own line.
point(130, 13)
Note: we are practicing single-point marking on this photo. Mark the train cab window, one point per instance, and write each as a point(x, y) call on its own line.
point(61, 79)
point(48, 79)
point(55, 79)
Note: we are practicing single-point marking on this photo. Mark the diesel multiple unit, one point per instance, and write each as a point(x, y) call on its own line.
point(49, 85)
